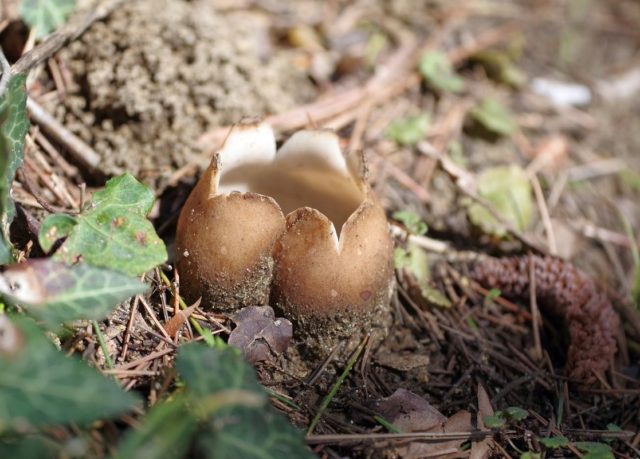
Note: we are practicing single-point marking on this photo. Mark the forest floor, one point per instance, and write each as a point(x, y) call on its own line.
point(540, 125)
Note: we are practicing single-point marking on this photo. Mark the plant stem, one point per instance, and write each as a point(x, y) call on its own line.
point(103, 344)
point(196, 325)
point(334, 390)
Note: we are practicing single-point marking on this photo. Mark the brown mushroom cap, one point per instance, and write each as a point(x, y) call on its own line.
point(334, 291)
point(234, 246)
point(224, 250)
point(224, 241)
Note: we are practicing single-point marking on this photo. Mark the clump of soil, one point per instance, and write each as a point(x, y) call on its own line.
point(159, 73)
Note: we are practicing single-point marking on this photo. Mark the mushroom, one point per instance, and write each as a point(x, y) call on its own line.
point(260, 227)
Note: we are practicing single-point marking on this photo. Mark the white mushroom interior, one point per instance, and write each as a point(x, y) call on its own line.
point(309, 170)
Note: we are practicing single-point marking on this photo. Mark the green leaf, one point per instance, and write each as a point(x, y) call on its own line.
point(611, 427)
point(113, 232)
point(434, 296)
point(411, 220)
point(54, 228)
point(408, 131)
point(499, 66)
point(39, 386)
point(516, 413)
point(417, 262)
point(595, 450)
point(493, 294)
point(415, 258)
point(437, 71)
point(46, 15)
point(206, 370)
point(530, 455)
point(167, 431)
point(400, 258)
point(508, 190)
point(494, 421)
point(241, 423)
point(252, 434)
point(13, 129)
point(29, 446)
point(554, 442)
point(376, 43)
point(630, 178)
point(494, 117)
point(56, 293)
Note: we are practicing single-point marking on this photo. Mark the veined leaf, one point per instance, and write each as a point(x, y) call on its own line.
point(167, 431)
point(252, 434)
point(113, 232)
point(239, 420)
point(13, 129)
point(46, 15)
point(56, 293)
point(39, 386)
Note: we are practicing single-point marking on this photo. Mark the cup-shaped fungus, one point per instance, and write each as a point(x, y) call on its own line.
point(260, 227)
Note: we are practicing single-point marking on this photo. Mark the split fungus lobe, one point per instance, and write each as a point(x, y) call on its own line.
point(260, 227)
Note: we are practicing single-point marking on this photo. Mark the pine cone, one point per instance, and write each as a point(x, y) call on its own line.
point(563, 291)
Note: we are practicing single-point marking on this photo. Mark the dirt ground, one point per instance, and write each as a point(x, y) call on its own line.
point(151, 88)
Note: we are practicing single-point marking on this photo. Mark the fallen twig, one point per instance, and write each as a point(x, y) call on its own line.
point(76, 147)
point(391, 79)
point(57, 40)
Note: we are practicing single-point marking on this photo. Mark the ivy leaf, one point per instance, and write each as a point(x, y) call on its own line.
point(554, 442)
point(491, 115)
point(253, 434)
point(437, 71)
point(13, 129)
point(167, 431)
point(40, 387)
point(46, 15)
point(408, 131)
point(508, 190)
point(240, 421)
point(30, 446)
point(58, 226)
point(56, 293)
point(207, 370)
point(113, 232)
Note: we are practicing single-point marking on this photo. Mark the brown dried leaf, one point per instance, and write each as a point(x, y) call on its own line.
point(173, 326)
point(258, 334)
point(482, 449)
point(459, 422)
point(409, 412)
point(484, 406)
point(550, 155)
